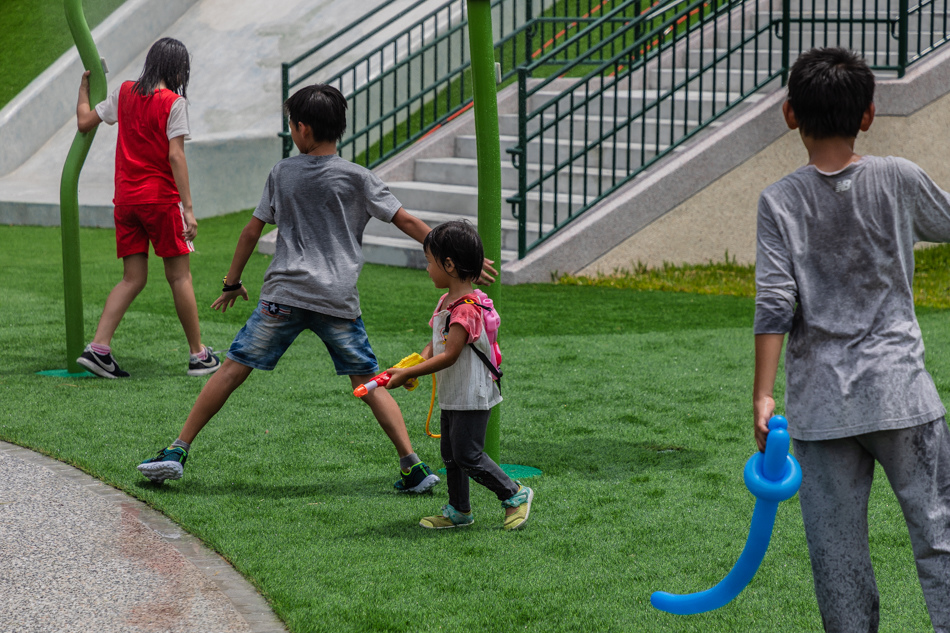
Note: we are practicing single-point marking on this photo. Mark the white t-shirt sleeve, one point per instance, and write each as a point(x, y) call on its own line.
point(108, 110)
point(177, 124)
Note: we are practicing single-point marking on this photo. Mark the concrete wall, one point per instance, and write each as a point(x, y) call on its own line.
point(721, 217)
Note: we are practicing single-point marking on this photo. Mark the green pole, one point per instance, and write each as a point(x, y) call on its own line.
point(482, 48)
point(69, 187)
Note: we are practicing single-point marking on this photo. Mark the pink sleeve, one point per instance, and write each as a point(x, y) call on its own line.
point(467, 315)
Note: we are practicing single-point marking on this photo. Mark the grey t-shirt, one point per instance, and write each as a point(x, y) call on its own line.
point(834, 269)
point(321, 205)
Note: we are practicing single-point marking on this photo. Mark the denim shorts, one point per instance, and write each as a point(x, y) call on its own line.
point(272, 327)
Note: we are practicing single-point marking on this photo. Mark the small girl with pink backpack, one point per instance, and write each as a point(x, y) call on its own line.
point(464, 356)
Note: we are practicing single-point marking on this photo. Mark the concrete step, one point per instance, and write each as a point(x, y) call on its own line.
point(608, 154)
point(581, 127)
point(692, 102)
point(464, 171)
point(726, 75)
point(380, 249)
point(509, 225)
point(461, 200)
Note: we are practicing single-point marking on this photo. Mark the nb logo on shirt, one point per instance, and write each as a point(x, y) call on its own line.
point(842, 186)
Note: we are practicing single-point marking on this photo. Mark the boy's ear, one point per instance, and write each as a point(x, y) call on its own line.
point(789, 115)
point(867, 118)
point(449, 265)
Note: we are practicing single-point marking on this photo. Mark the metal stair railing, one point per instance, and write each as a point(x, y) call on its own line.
point(419, 79)
point(705, 58)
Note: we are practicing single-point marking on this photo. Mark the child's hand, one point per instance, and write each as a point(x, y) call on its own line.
point(398, 377)
point(762, 410)
point(84, 83)
point(227, 299)
point(488, 275)
point(191, 227)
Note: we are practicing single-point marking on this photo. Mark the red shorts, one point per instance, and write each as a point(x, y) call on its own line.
point(162, 224)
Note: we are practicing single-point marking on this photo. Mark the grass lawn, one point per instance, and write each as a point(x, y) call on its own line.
point(634, 404)
point(33, 34)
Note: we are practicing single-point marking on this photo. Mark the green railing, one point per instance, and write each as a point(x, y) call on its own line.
point(646, 89)
point(605, 87)
point(419, 79)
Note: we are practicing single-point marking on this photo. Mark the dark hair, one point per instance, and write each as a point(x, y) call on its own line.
point(459, 240)
point(167, 61)
point(829, 90)
point(320, 106)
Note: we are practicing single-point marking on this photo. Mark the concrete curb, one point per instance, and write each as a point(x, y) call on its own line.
point(248, 603)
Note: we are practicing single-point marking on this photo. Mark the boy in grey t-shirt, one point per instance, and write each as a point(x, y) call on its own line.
point(320, 204)
point(834, 270)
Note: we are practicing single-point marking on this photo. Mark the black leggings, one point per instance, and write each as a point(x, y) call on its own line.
point(463, 451)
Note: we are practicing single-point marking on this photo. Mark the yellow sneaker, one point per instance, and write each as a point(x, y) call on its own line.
point(450, 518)
point(521, 500)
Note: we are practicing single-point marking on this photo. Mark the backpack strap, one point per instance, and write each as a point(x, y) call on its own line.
point(495, 371)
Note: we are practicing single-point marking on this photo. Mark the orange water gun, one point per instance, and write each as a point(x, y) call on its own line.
point(381, 380)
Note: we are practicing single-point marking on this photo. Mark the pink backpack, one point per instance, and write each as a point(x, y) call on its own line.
point(492, 323)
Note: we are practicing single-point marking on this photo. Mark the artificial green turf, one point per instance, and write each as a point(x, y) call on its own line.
point(635, 405)
point(33, 34)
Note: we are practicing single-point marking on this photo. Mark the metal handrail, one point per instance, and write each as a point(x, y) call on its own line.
point(650, 87)
point(605, 87)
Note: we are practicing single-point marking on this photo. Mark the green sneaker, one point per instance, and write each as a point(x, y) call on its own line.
point(419, 479)
point(450, 518)
point(168, 464)
point(521, 500)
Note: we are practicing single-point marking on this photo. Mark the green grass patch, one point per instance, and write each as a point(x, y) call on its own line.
point(634, 404)
point(931, 278)
point(33, 34)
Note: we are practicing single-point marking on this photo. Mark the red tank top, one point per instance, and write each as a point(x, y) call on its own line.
point(143, 174)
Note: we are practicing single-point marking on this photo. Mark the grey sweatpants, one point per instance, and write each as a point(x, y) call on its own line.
point(463, 451)
point(836, 484)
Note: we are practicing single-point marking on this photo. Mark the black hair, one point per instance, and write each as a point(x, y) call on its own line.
point(167, 61)
point(829, 90)
point(459, 240)
point(320, 106)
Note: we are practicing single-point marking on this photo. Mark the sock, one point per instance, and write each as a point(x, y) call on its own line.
point(102, 350)
point(184, 445)
point(202, 355)
point(406, 463)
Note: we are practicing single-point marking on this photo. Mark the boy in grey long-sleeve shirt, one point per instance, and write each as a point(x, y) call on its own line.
point(834, 270)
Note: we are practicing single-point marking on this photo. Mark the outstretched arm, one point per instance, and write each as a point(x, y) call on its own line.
point(86, 117)
point(768, 350)
point(245, 248)
point(417, 230)
point(454, 345)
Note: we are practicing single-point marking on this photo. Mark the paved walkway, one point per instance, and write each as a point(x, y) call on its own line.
point(78, 555)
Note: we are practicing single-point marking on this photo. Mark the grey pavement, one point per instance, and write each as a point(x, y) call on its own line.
point(78, 555)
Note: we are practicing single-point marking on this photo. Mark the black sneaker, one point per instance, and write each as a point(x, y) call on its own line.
point(199, 367)
point(101, 365)
point(419, 479)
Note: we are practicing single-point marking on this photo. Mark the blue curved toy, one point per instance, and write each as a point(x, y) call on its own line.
point(772, 477)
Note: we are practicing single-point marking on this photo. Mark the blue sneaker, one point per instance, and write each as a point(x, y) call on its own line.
point(450, 518)
point(168, 464)
point(419, 479)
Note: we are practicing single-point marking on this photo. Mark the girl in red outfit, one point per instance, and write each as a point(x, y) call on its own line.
point(152, 198)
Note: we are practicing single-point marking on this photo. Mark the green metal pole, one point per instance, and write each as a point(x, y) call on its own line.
point(69, 187)
point(482, 47)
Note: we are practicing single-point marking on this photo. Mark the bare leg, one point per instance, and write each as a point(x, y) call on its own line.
point(213, 396)
point(178, 274)
point(134, 277)
point(387, 413)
